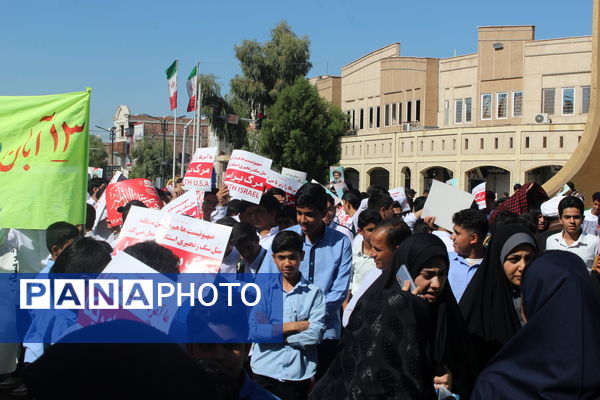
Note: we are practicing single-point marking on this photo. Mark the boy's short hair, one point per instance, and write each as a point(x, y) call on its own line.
point(244, 205)
point(397, 231)
point(570, 202)
point(275, 192)
point(472, 220)
point(269, 203)
point(311, 195)
point(124, 210)
point(368, 217)
point(380, 200)
point(233, 208)
point(95, 183)
point(353, 197)
point(90, 217)
point(155, 256)
point(596, 196)
point(59, 233)
point(287, 241)
point(84, 256)
point(242, 232)
point(287, 212)
point(228, 221)
point(419, 203)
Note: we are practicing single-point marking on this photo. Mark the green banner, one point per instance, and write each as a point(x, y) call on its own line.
point(43, 159)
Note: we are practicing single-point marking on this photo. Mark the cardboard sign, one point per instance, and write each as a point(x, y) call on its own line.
point(288, 185)
point(120, 193)
point(199, 245)
point(336, 175)
point(443, 201)
point(399, 195)
point(94, 172)
point(479, 193)
point(246, 175)
point(292, 173)
point(340, 188)
point(189, 203)
point(199, 172)
point(100, 205)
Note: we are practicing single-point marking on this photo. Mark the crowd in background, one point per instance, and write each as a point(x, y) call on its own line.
point(379, 302)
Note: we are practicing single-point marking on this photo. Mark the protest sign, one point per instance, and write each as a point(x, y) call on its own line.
point(443, 201)
point(199, 245)
point(199, 172)
point(44, 145)
point(246, 175)
point(189, 203)
point(100, 205)
point(479, 193)
point(336, 175)
point(452, 182)
point(288, 185)
point(399, 195)
point(340, 188)
point(292, 173)
point(120, 193)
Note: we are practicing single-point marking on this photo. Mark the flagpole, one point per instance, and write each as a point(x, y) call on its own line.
point(197, 125)
point(175, 125)
point(183, 148)
point(199, 108)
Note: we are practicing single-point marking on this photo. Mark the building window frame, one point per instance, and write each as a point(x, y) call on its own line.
point(517, 112)
point(386, 115)
point(548, 107)
point(498, 103)
point(585, 98)
point(563, 103)
point(487, 117)
point(458, 111)
point(468, 106)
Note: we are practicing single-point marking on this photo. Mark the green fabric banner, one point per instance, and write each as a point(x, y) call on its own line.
point(43, 159)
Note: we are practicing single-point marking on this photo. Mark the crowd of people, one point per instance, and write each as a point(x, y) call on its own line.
point(378, 302)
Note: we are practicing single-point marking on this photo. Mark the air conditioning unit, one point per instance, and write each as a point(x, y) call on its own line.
point(542, 118)
point(406, 126)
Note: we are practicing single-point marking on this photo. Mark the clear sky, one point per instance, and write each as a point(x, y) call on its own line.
point(121, 48)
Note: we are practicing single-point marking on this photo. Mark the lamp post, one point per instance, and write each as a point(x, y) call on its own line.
point(163, 126)
point(111, 133)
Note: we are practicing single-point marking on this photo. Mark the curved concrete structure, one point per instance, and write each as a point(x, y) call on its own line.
point(584, 164)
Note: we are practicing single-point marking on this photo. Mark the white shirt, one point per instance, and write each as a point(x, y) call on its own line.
point(586, 247)
point(410, 220)
point(267, 240)
point(588, 216)
point(445, 236)
point(361, 265)
point(30, 245)
point(367, 281)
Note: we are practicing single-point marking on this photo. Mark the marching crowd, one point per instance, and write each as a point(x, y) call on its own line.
point(378, 302)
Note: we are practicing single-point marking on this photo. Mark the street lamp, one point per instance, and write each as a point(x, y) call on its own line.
point(111, 133)
point(183, 146)
point(163, 125)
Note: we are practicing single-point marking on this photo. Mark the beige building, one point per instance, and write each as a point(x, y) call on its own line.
point(512, 112)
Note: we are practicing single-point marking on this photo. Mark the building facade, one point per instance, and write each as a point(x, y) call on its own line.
point(512, 112)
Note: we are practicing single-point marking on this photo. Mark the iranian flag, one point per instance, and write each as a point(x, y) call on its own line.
point(172, 81)
point(192, 85)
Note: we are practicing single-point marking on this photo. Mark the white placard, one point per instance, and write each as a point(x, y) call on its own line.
point(443, 201)
point(288, 185)
point(189, 203)
point(399, 195)
point(479, 193)
point(336, 199)
point(292, 173)
point(246, 175)
point(199, 173)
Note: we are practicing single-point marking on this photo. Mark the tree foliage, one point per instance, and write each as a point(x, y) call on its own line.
point(148, 156)
point(97, 156)
point(216, 107)
point(303, 130)
point(269, 67)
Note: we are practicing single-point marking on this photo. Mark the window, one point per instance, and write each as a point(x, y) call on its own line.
point(486, 106)
point(548, 100)
point(421, 145)
point(585, 99)
point(517, 104)
point(466, 144)
point(408, 111)
point(361, 120)
point(453, 144)
point(561, 142)
point(526, 142)
point(386, 115)
point(495, 143)
point(394, 120)
point(446, 112)
point(370, 117)
point(402, 147)
point(568, 101)
point(400, 113)
point(458, 110)
point(468, 109)
point(443, 145)
point(545, 142)
point(378, 116)
point(510, 142)
point(418, 110)
point(353, 120)
point(481, 143)
point(431, 146)
point(501, 105)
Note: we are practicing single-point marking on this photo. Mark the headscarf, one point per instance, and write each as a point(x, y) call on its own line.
point(527, 196)
point(487, 304)
point(451, 348)
point(555, 355)
point(385, 348)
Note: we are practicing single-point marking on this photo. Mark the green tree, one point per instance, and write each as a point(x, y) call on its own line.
point(269, 67)
point(303, 131)
point(97, 154)
point(148, 156)
point(216, 107)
